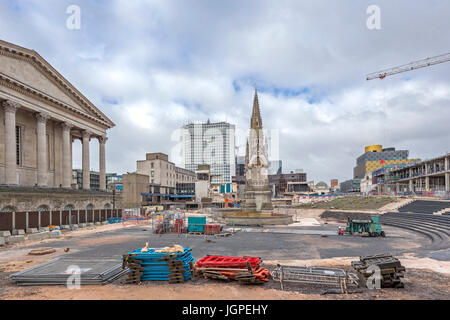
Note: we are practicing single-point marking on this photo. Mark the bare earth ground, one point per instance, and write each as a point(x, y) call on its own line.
point(425, 278)
point(419, 284)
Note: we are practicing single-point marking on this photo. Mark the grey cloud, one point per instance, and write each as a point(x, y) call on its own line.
point(167, 62)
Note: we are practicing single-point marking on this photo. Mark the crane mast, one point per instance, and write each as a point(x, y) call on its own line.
point(410, 66)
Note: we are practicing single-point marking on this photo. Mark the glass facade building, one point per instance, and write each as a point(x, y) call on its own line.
point(374, 159)
point(212, 144)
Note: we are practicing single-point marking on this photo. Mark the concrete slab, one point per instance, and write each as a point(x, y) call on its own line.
point(90, 224)
point(31, 230)
point(39, 236)
point(45, 229)
point(18, 232)
point(74, 227)
point(57, 228)
point(98, 223)
point(82, 225)
point(2, 241)
point(55, 234)
point(302, 222)
point(104, 222)
point(16, 239)
point(5, 233)
point(292, 231)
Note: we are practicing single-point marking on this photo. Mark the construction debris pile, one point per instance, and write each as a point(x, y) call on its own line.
point(390, 270)
point(245, 270)
point(68, 271)
point(174, 264)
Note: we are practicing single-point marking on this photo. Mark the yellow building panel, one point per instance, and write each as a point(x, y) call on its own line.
point(374, 148)
point(374, 165)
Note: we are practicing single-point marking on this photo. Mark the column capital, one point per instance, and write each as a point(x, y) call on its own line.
point(42, 117)
point(10, 106)
point(102, 139)
point(66, 125)
point(86, 134)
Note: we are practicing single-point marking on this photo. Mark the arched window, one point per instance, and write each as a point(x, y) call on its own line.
point(43, 208)
point(8, 209)
point(107, 206)
point(90, 206)
point(69, 207)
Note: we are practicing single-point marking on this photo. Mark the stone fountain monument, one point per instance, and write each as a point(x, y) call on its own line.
point(257, 192)
point(257, 208)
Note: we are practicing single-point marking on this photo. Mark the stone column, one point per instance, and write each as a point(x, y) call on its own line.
point(42, 165)
point(102, 142)
point(66, 155)
point(10, 141)
point(86, 164)
point(411, 185)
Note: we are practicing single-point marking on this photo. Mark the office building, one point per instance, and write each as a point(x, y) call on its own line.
point(211, 144)
point(376, 157)
point(275, 167)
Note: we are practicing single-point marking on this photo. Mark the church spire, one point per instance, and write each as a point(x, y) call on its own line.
point(246, 156)
point(256, 122)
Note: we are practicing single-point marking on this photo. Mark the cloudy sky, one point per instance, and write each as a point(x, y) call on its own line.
point(154, 65)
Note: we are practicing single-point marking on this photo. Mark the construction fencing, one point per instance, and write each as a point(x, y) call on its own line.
point(433, 191)
point(10, 221)
point(177, 221)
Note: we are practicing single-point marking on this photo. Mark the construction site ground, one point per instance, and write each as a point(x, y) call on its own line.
point(304, 243)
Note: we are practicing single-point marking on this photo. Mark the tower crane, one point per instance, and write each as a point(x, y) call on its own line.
point(410, 66)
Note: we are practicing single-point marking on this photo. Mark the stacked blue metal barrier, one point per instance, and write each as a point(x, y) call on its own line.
point(155, 266)
point(114, 220)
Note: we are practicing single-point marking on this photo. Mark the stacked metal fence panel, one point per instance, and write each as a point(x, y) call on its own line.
point(314, 275)
point(243, 269)
point(228, 262)
point(63, 271)
point(155, 266)
point(114, 220)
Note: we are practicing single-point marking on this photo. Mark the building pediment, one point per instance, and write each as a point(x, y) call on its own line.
point(25, 70)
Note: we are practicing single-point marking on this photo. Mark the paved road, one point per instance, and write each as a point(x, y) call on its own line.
point(268, 246)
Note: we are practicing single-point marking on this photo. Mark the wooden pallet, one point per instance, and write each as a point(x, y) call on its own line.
point(227, 234)
point(173, 281)
point(131, 281)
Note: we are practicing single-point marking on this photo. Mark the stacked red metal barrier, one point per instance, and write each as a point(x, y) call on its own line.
point(242, 269)
point(178, 226)
point(212, 229)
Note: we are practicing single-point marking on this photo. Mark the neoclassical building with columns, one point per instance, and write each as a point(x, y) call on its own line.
point(41, 115)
